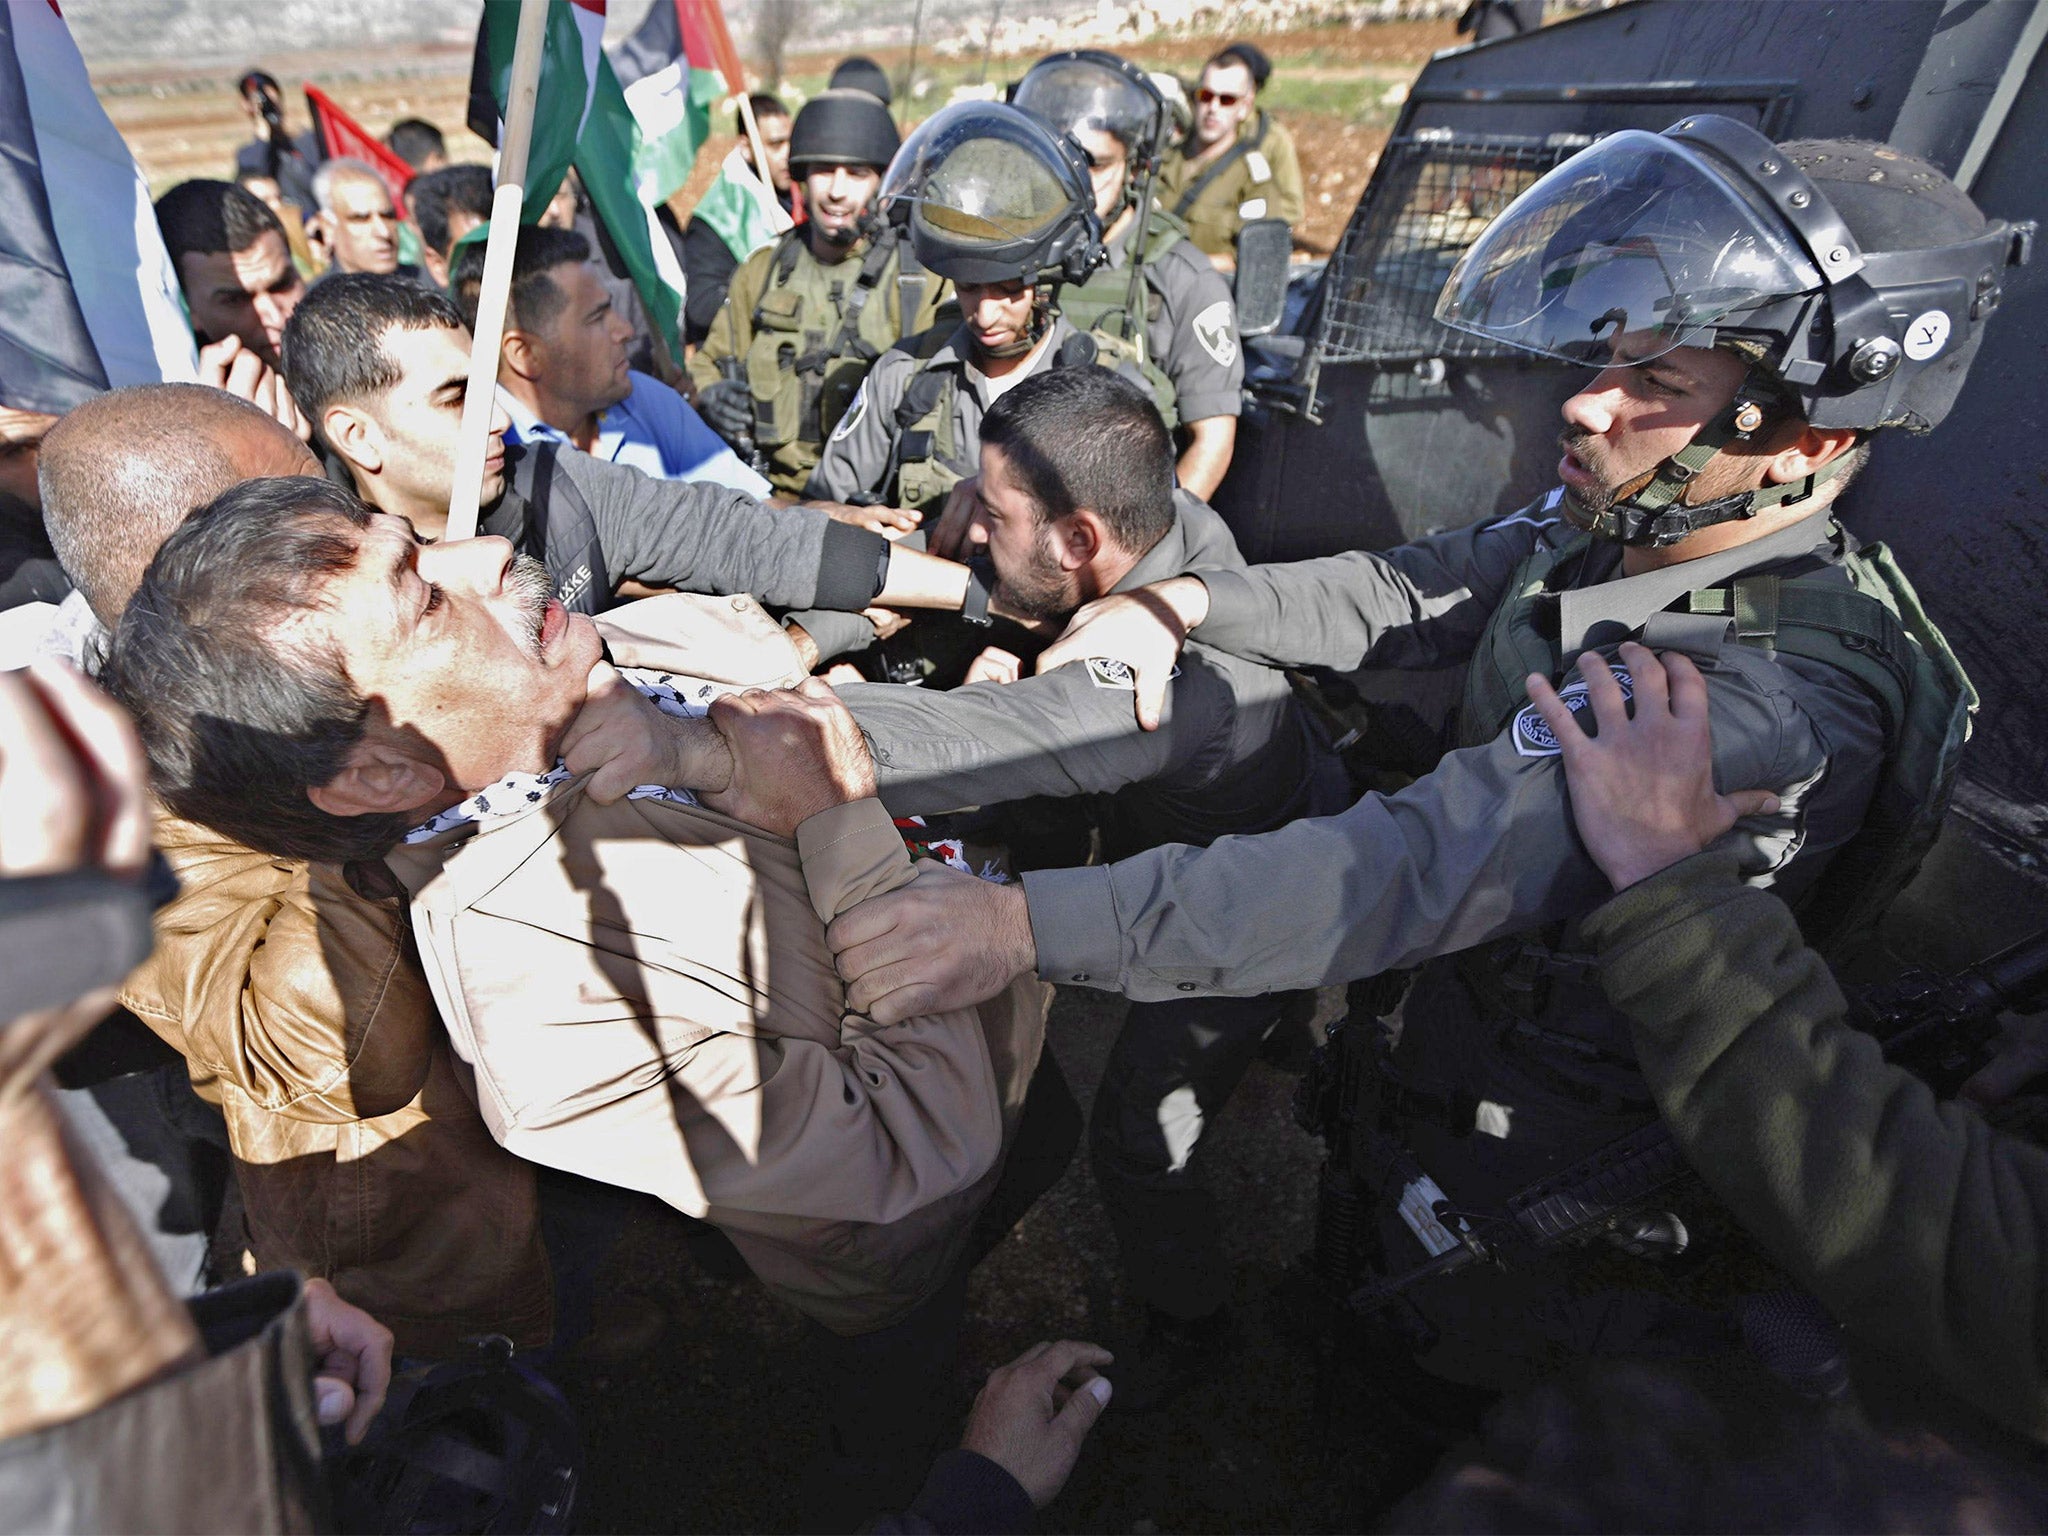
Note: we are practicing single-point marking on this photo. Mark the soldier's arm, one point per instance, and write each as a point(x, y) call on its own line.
point(1912, 1220)
point(732, 327)
point(1068, 732)
point(1423, 604)
point(856, 457)
point(1481, 847)
point(1287, 198)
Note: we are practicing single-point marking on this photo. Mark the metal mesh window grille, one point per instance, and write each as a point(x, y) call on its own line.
point(1433, 193)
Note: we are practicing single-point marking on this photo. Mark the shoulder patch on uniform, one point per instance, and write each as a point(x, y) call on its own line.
point(854, 412)
point(1216, 330)
point(1256, 162)
point(1532, 733)
point(1108, 672)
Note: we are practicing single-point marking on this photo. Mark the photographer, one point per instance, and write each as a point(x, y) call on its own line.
point(97, 1360)
point(1916, 1223)
point(274, 151)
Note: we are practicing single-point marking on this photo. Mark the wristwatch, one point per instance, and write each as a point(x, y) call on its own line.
point(974, 604)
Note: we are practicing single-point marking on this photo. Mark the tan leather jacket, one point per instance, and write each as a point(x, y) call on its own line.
point(300, 1010)
point(298, 1003)
point(646, 996)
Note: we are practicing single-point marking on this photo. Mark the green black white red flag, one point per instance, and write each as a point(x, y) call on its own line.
point(580, 119)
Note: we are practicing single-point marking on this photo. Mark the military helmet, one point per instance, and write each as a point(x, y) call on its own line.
point(991, 195)
point(1859, 276)
point(843, 127)
point(1088, 88)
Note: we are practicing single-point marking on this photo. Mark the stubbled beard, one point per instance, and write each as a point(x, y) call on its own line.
point(1037, 591)
point(531, 587)
point(1585, 508)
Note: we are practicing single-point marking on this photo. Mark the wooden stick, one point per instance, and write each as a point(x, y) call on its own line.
point(506, 203)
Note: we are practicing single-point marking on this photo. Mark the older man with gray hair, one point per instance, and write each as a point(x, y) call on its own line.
point(356, 228)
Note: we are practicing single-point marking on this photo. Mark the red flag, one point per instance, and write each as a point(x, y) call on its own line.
point(342, 137)
point(707, 43)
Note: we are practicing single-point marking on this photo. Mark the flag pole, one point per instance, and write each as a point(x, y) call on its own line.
point(506, 202)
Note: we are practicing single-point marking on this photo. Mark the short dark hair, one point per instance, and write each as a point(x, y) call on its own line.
point(1248, 56)
point(238, 723)
point(536, 297)
point(261, 78)
point(208, 217)
point(1088, 437)
point(121, 470)
point(765, 105)
point(436, 194)
point(415, 141)
point(334, 342)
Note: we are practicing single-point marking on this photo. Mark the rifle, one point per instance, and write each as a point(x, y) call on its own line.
point(733, 369)
point(1936, 1026)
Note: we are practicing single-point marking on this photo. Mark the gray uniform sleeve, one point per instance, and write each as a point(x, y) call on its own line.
point(1063, 733)
point(1195, 337)
point(698, 537)
point(856, 458)
point(1423, 604)
point(1481, 847)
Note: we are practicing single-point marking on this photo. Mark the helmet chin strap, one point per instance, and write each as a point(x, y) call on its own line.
point(1656, 517)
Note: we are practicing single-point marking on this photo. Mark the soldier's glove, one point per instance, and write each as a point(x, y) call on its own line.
point(729, 406)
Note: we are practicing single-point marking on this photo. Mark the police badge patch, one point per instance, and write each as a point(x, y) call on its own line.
point(1108, 672)
point(1217, 334)
point(854, 412)
point(1532, 733)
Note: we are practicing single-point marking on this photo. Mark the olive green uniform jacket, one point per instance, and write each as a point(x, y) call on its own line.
point(1262, 183)
point(1918, 1225)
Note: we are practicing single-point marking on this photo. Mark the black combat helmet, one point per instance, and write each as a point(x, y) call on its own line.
point(1853, 277)
point(990, 195)
point(843, 127)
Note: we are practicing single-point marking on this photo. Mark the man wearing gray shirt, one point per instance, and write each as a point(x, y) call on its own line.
point(1698, 473)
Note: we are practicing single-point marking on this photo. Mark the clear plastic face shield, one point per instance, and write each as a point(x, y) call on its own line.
point(977, 176)
point(1081, 93)
point(1631, 248)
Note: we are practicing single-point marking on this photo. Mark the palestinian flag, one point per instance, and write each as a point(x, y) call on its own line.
point(342, 137)
point(678, 64)
point(88, 298)
point(741, 208)
point(581, 120)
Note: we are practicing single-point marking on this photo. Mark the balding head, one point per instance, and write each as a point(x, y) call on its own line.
point(122, 470)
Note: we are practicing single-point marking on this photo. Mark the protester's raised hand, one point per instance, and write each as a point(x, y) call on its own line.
point(1032, 1414)
point(946, 940)
point(620, 740)
point(1642, 790)
point(994, 665)
point(1144, 630)
point(354, 1350)
point(227, 364)
point(795, 752)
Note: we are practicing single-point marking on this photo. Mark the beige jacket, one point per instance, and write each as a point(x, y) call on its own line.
point(298, 1004)
point(646, 997)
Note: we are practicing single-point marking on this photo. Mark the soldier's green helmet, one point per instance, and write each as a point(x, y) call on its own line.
point(990, 194)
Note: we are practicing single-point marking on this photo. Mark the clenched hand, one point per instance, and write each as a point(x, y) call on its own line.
point(946, 940)
point(795, 752)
